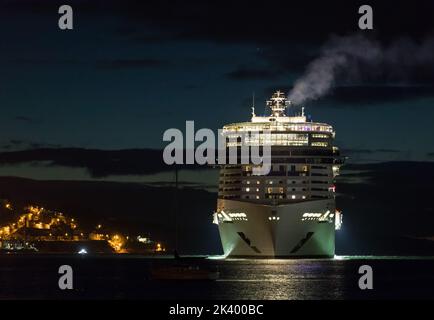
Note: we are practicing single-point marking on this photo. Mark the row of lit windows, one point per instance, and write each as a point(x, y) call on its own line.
point(319, 135)
point(276, 142)
point(284, 167)
point(271, 182)
point(319, 144)
point(277, 189)
point(274, 196)
point(247, 127)
point(268, 196)
point(252, 189)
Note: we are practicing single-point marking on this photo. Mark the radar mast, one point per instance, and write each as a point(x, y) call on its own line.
point(278, 104)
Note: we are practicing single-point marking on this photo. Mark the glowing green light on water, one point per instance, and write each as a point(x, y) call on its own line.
point(367, 257)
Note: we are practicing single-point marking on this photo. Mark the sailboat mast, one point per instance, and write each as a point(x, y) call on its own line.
point(176, 208)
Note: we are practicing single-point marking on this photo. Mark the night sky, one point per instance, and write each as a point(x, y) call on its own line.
point(92, 103)
point(131, 69)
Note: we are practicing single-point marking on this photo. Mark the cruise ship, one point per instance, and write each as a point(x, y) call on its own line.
point(289, 212)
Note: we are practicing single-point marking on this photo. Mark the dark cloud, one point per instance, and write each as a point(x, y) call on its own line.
point(288, 57)
point(17, 144)
point(102, 163)
point(356, 151)
point(99, 163)
point(388, 150)
point(124, 63)
point(46, 61)
point(25, 119)
point(369, 151)
point(384, 172)
point(191, 86)
point(355, 155)
point(133, 63)
point(246, 73)
point(183, 184)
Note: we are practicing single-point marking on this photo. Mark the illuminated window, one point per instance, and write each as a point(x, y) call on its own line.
point(293, 196)
point(319, 136)
point(319, 144)
point(248, 189)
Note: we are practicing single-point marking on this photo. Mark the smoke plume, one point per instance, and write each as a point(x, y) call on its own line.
point(356, 59)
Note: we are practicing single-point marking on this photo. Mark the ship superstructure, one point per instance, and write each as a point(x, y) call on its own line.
point(289, 212)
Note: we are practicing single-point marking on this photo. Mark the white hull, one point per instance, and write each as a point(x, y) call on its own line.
point(285, 235)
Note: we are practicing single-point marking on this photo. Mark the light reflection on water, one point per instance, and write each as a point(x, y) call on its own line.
point(282, 279)
point(123, 277)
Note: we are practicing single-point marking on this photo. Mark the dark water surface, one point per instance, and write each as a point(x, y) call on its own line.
point(127, 277)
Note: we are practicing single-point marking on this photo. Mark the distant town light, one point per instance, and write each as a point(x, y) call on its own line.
point(142, 239)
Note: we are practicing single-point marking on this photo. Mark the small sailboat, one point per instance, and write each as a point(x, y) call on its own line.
point(183, 268)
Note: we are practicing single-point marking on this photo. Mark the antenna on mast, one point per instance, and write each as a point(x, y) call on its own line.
point(253, 104)
point(278, 103)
